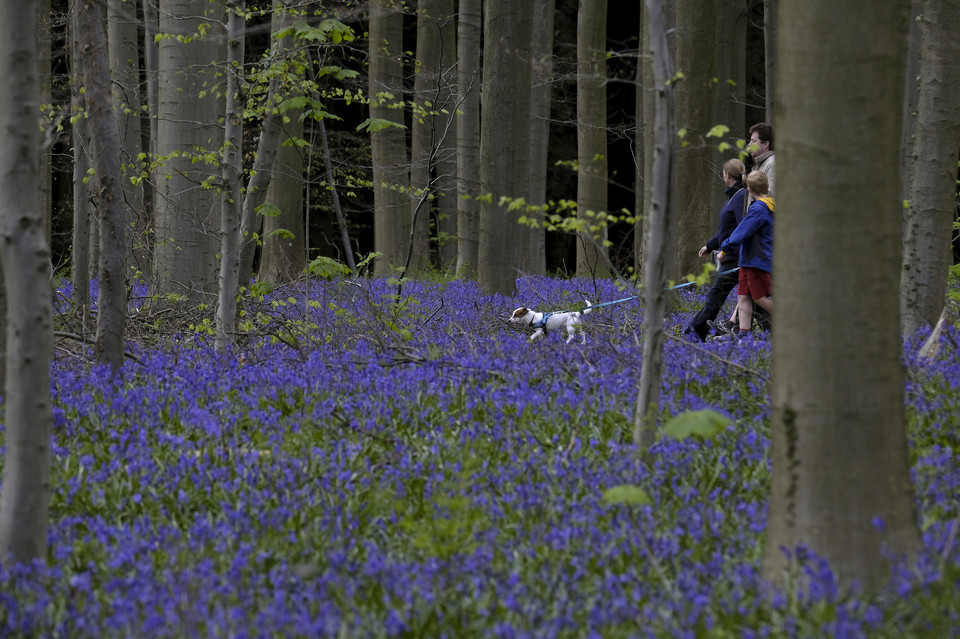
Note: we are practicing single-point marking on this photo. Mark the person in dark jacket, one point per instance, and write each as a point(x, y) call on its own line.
point(730, 215)
point(754, 236)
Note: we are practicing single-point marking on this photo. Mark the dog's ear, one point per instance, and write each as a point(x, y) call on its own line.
point(520, 312)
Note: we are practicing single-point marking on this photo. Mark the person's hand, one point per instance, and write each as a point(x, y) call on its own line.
point(703, 251)
point(720, 255)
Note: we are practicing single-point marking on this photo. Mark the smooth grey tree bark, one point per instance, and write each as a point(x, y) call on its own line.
point(504, 138)
point(189, 141)
point(658, 228)
point(771, 30)
point(544, 12)
point(82, 208)
point(388, 145)
point(25, 260)
point(105, 145)
point(840, 476)
point(125, 72)
point(929, 218)
point(696, 94)
point(469, 30)
point(431, 127)
point(231, 196)
point(592, 137)
point(284, 234)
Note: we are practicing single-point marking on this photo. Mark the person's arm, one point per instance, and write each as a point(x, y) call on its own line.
point(745, 229)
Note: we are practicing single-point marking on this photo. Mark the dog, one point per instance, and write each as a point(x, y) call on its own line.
point(546, 322)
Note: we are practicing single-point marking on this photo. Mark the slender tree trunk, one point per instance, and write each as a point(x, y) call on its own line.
point(928, 228)
point(445, 164)
point(504, 131)
point(82, 213)
point(44, 56)
point(840, 478)
point(540, 102)
point(25, 259)
point(388, 145)
point(125, 71)
point(335, 197)
point(468, 134)
point(151, 70)
point(771, 30)
point(658, 231)
point(105, 142)
point(592, 137)
point(231, 198)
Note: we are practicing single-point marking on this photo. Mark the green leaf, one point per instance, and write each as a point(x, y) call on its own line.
point(372, 125)
point(626, 494)
point(705, 424)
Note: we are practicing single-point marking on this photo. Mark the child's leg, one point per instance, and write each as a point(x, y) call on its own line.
point(766, 303)
point(745, 311)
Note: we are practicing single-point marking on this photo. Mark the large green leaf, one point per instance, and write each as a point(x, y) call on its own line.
point(628, 494)
point(706, 424)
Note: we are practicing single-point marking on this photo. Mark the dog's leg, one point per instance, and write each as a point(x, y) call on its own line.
point(537, 333)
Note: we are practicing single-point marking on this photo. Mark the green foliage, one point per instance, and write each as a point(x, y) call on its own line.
point(627, 494)
point(326, 268)
point(704, 424)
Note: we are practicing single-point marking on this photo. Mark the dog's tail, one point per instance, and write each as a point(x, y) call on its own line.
point(587, 309)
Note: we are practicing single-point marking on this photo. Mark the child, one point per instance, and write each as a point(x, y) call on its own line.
point(755, 237)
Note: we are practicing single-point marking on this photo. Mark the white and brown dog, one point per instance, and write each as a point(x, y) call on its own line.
point(546, 322)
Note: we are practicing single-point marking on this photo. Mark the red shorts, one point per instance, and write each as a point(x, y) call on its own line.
point(754, 282)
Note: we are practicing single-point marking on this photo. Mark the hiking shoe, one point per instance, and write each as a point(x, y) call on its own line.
point(721, 327)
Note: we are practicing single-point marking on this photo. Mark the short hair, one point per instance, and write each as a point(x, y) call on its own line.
point(758, 183)
point(764, 132)
point(734, 167)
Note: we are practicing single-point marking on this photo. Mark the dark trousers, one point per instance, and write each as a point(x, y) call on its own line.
point(716, 296)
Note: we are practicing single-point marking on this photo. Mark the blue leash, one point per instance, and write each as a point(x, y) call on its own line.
point(669, 288)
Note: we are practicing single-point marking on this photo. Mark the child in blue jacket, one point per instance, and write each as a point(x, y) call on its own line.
point(755, 236)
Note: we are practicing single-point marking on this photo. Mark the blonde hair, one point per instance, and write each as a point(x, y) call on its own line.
point(734, 168)
point(758, 183)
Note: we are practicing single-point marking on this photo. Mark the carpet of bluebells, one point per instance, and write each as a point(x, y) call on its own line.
point(372, 465)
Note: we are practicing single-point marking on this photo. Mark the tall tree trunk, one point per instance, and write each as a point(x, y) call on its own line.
point(469, 28)
point(840, 479)
point(592, 137)
point(273, 133)
point(445, 164)
point(189, 112)
point(697, 59)
point(44, 77)
point(231, 198)
point(151, 70)
point(928, 227)
point(105, 143)
point(504, 131)
point(25, 259)
point(658, 230)
point(771, 21)
point(284, 235)
point(430, 126)
point(82, 210)
point(125, 71)
point(388, 145)
point(540, 102)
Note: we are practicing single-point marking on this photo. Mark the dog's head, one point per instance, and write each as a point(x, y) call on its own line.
point(519, 314)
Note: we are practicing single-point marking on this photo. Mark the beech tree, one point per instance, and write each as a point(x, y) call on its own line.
point(931, 209)
point(189, 141)
point(541, 87)
point(504, 132)
point(658, 230)
point(388, 147)
point(25, 260)
point(592, 137)
point(840, 483)
point(105, 144)
point(124, 59)
point(469, 29)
